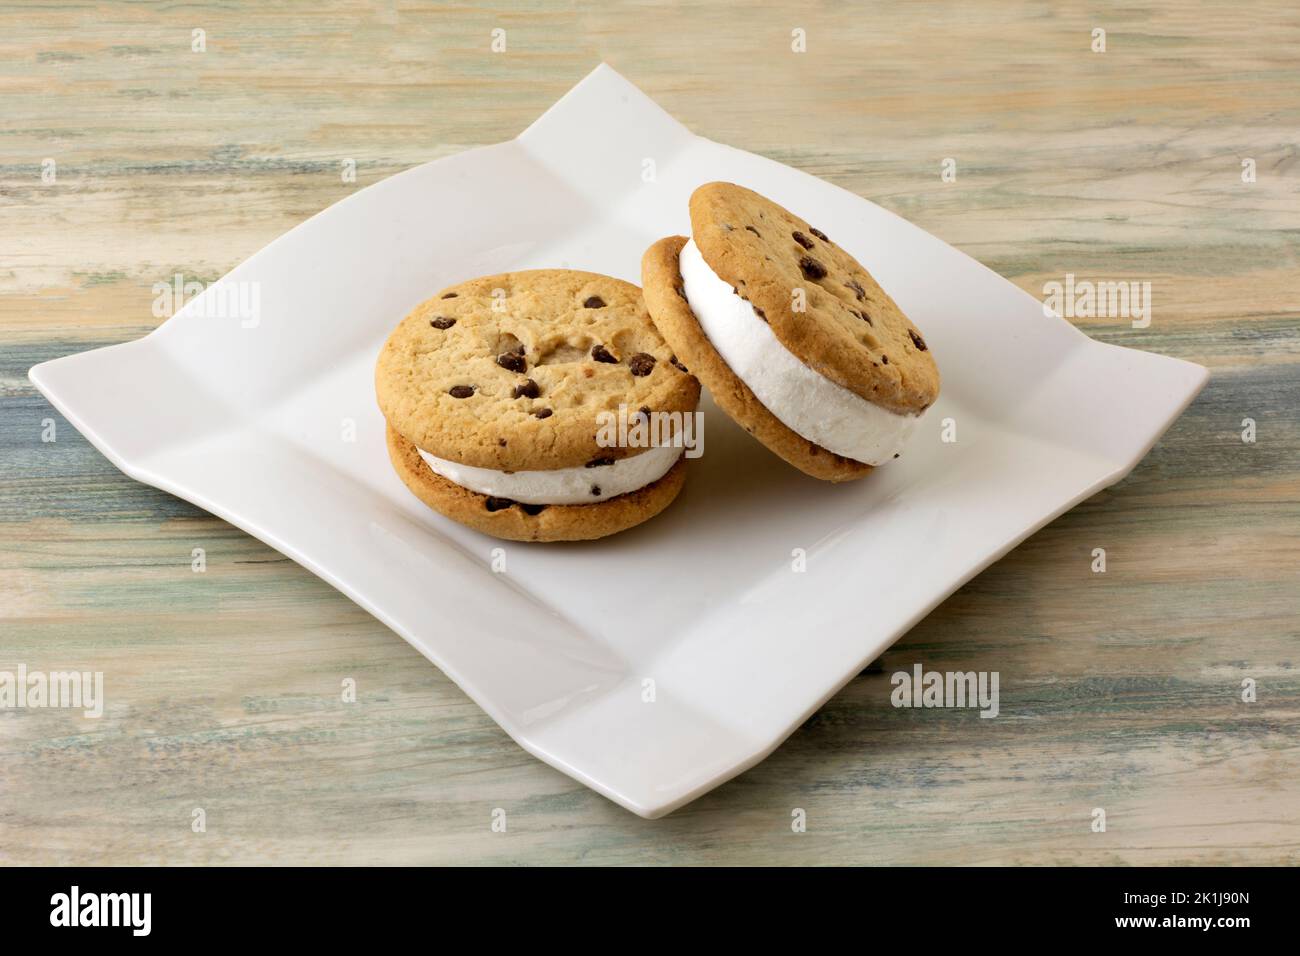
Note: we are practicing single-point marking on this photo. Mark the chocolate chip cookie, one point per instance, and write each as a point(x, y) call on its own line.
point(793, 337)
point(496, 390)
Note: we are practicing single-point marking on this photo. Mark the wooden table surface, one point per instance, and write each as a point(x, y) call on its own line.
point(1120, 691)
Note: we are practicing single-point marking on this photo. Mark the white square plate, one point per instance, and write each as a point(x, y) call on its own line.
point(246, 420)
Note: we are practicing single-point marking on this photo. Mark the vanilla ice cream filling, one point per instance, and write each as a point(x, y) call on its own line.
point(562, 486)
point(805, 401)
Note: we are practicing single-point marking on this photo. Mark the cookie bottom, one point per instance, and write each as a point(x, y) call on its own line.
point(551, 523)
point(661, 280)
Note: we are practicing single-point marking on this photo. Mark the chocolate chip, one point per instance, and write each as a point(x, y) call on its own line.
point(600, 462)
point(498, 504)
point(461, 391)
point(917, 341)
point(602, 354)
point(449, 295)
point(884, 360)
point(533, 509)
point(676, 363)
point(594, 302)
point(863, 316)
point(643, 363)
point(442, 322)
point(860, 292)
point(803, 240)
point(527, 390)
point(754, 231)
point(501, 442)
point(543, 413)
point(819, 234)
point(759, 312)
point(595, 489)
point(811, 268)
point(512, 361)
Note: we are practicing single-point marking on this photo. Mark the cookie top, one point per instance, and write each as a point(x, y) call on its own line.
point(851, 331)
point(511, 371)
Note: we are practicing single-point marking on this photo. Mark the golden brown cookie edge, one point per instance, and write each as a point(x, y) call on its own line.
point(554, 523)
